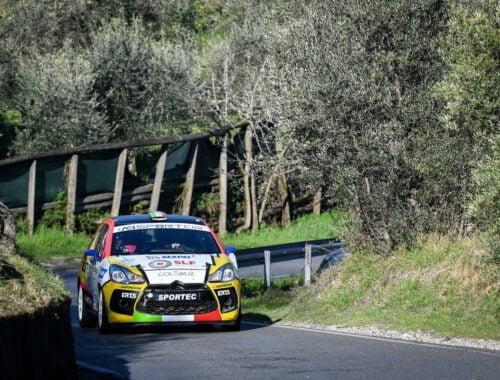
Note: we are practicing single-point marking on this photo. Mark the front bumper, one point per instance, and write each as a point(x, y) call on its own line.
point(203, 303)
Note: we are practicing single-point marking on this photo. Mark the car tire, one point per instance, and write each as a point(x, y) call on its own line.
point(85, 316)
point(102, 316)
point(235, 327)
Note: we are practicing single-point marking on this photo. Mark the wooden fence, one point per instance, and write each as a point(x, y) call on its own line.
point(115, 199)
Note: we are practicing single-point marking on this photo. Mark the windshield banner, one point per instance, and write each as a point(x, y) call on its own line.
point(160, 226)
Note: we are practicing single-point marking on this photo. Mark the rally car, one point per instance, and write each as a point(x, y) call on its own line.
point(158, 268)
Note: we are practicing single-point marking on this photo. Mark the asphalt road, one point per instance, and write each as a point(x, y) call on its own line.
point(271, 352)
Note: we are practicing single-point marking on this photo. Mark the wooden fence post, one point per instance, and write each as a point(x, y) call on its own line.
point(267, 269)
point(31, 198)
point(317, 202)
point(160, 170)
point(71, 193)
point(223, 187)
point(308, 264)
point(189, 184)
point(120, 174)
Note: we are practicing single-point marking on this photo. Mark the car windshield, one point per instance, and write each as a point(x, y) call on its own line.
point(157, 238)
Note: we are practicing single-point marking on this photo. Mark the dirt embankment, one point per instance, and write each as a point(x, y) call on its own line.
point(35, 325)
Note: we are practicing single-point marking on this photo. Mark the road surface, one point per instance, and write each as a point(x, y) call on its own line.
point(271, 352)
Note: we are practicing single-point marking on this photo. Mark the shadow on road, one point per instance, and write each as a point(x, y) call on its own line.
point(257, 318)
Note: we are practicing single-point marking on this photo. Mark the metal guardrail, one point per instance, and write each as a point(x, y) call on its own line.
point(289, 251)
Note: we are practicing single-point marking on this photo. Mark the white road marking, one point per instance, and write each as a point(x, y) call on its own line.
point(370, 337)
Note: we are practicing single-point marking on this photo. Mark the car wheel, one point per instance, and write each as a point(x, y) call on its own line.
point(102, 317)
point(236, 326)
point(85, 316)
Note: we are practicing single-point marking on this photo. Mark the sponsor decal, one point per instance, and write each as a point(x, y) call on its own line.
point(224, 292)
point(163, 257)
point(129, 295)
point(160, 226)
point(131, 287)
point(175, 273)
point(102, 273)
point(169, 275)
point(220, 286)
point(178, 297)
point(184, 262)
point(159, 264)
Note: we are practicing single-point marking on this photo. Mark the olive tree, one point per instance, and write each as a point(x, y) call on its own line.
point(348, 91)
point(57, 103)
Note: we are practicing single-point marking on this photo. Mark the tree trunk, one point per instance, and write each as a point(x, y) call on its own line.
point(253, 189)
point(246, 180)
point(265, 197)
point(285, 199)
point(223, 187)
point(283, 187)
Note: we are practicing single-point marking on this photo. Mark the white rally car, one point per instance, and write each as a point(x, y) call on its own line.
point(158, 268)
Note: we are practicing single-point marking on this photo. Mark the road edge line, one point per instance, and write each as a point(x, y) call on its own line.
point(487, 351)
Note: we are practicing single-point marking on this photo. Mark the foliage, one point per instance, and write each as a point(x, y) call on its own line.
point(446, 286)
point(471, 89)
point(56, 216)
point(57, 104)
point(391, 108)
point(88, 221)
point(207, 206)
point(355, 112)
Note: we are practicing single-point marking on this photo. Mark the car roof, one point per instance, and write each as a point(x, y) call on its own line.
point(145, 218)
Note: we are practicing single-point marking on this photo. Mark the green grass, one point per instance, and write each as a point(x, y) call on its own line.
point(444, 286)
point(47, 243)
point(307, 227)
point(25, 287)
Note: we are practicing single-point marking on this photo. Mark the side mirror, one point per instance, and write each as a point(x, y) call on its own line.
point(230, 250)
point(92, 253)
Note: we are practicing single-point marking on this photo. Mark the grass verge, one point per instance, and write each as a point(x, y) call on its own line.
point(444, 286)
point(26, 287)
point(307, 227)
point(47, 243)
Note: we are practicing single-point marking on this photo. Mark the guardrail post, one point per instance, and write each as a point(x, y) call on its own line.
point(120, 174)
point(71, 193)
point(308, 264)
point(31, 198)
point(267, 269)
point(160, 169)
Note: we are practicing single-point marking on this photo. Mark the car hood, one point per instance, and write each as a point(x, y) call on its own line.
point(166, 261)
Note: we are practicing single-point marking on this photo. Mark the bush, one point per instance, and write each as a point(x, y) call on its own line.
point(56, 217)
point(471, 90)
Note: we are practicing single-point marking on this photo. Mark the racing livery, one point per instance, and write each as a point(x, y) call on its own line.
point(157, 268)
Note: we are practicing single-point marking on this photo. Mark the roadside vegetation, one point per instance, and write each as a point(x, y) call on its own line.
point(307, 227)
point(51, 242)
point(448, 287)
point(25, 287)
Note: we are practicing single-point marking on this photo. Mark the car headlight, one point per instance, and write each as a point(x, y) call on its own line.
point(224, 274)
point(124, 276)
